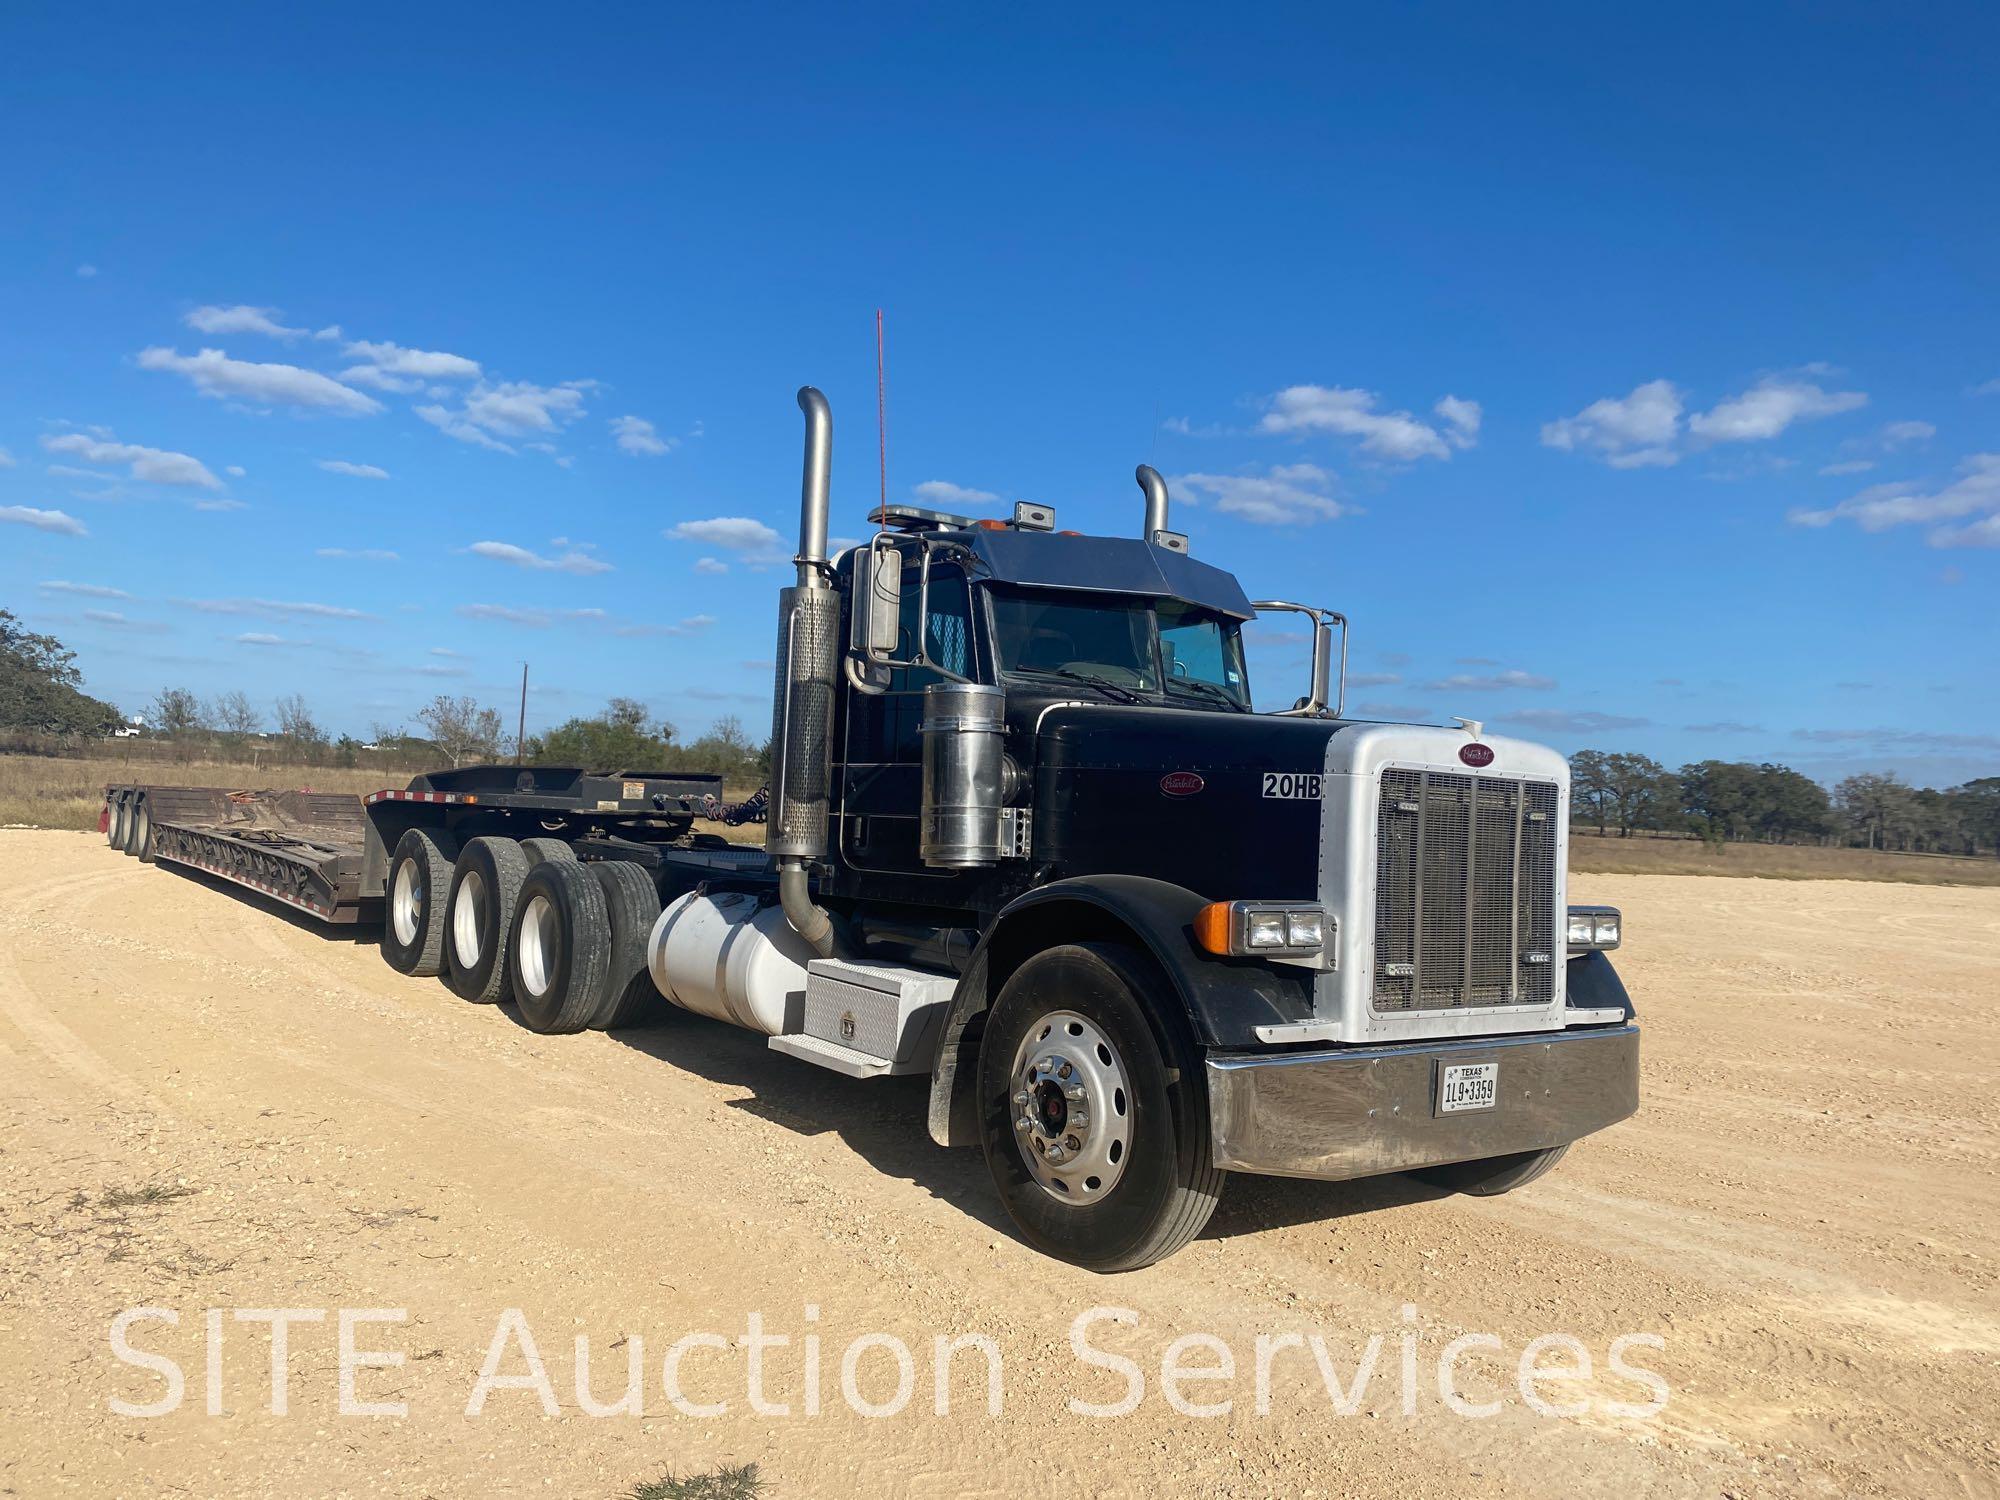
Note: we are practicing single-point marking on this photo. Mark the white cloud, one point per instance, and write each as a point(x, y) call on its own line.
point(381, 380)
point(240, 319)
point(692, 625)
point(1495, 682)
point(43, 520)
point(86, 271)
point(1900, 434)
point(154, 465)
point(1557, 721)
point(505, 612)
point(423, 364)
point(519, 407)
point(1394, 435)
point(733, 533)
point(1285, 495)
point(1975, 492)
point(352, 471)
point(1849, 466)
point(216, 374)
point(220, 505)
point(261, 638)
point(6, 459)
point(1371, 679)
point(83, 590)
point(1461, 419)
point(521, 557)
point(943, 493)
point(639, 437)
point(1628, 432)
point(713, 566)
point(235, 471)
point(274, 609)
point(511, 408)
point(453, 425)
point(359, 554)
point(1768, 408)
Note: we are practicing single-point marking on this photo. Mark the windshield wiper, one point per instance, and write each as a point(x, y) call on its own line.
point(1212, 691)
point(1116, 690)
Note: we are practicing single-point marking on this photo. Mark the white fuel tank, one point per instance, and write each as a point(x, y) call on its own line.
point(726, 955)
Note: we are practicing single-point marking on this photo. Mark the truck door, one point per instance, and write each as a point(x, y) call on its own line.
point(881, 778)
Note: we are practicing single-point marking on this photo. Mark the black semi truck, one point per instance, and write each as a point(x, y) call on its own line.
point(1028, 836)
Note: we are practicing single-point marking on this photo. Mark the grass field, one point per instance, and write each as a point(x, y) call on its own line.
point(39, 791)
point(1591, 854)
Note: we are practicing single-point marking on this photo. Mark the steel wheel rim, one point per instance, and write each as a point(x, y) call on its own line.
point(468, 920)
point(406, 901)
point(537, 945)
point(1071, 1105)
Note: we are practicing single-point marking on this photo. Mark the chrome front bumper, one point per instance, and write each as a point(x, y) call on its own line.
point(1358, 1111)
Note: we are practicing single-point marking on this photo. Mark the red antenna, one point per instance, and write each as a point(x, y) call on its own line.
point(881, 419)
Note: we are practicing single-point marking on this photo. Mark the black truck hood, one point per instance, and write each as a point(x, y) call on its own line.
point(1224, 804)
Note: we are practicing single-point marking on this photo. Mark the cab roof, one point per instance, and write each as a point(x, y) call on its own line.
point(1103, 564)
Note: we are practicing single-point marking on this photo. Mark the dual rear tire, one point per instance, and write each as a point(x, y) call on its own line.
point(578, 958)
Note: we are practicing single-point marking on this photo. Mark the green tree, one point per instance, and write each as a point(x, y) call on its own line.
point(175, 712)
point(298, 728)
point(462, 729)
point(1592, 783)
point(624, 737)
point(1877, 806)
point(41, 686)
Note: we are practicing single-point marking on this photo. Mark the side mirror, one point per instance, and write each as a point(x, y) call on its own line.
point(873, 633)
point(1322, 699)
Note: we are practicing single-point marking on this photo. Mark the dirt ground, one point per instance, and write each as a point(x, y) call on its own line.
point(204, 1105)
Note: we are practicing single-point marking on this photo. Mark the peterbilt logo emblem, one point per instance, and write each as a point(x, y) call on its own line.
point(1180, 784)
point(1476, 754)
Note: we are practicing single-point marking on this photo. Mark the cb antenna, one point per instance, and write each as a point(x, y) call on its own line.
point(881, 421)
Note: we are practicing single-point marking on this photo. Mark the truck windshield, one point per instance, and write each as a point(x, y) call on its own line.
point(1127, 646)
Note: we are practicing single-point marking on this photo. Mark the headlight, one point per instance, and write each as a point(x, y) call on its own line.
point(1594, 928)
point(1262, 929)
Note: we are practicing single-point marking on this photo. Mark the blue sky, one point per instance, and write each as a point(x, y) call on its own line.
point(1617, 373)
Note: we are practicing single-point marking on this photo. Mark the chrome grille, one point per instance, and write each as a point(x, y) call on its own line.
point(1465, 891)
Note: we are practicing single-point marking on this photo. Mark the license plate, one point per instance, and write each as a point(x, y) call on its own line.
point(1463, 1086)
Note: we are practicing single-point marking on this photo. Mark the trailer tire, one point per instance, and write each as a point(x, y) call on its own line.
point(1494, 1175)
point(1140, 1182)
point(479, 920)
point(114, 828)
point(413, 916)
point(560, 954)
point(540, 849)
point(139, 831)
point(633, 903)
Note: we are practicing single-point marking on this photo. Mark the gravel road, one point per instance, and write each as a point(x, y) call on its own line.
point(207, 1105)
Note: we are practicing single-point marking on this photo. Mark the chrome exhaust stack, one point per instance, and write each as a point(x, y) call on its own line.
point(808, 674)
point(1156, 500)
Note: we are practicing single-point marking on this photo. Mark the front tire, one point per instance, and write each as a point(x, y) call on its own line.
point(1092, 1111)
point(1492, 1176)
point(485, 892)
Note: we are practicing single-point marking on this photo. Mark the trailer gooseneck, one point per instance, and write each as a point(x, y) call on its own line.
point(1028, 837)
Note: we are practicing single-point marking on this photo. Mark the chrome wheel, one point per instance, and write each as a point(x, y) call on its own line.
point(1072, 1107)
point(468, 920)
point(536, 945)
point(406, 901)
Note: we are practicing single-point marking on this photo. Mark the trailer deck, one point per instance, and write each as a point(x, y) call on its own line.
point(326, 853)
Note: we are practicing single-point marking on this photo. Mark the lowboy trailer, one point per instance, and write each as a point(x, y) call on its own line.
point(1027, 836)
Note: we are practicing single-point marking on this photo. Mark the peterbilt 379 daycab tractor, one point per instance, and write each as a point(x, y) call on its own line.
point(1028, 836)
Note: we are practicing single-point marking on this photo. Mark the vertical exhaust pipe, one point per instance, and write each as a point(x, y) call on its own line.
point(816, 488)
point(802, 707)
point(1156, 499)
